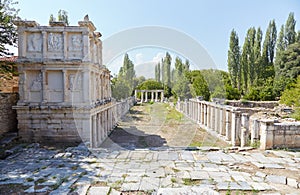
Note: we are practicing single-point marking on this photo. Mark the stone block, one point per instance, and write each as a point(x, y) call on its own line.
point(292, 182)
point(276, 179)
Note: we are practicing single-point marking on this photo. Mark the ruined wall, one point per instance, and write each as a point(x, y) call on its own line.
point(236, 125)
point(8, 116)
point(252, 104)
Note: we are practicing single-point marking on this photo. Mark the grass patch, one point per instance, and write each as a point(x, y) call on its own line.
point(173, 114)
point(296, 114)
point(29, 179)
point(117, 185)
point(173, 180)
point(41, 180)
point(255, 144)
point(203, 138)
point(75, 167)
point(190, 182)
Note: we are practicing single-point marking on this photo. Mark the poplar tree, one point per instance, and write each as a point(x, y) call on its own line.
point(257, 55)
point(268, 52)
point(233, 60)
point(290, 33)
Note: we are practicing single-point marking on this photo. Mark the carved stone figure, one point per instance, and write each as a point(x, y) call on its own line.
point(34, 42)
point(75, 43)
point(37, 83)
point(54, 42)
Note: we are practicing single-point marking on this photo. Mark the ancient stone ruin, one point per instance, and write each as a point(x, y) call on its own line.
point(64, 88)
point(241, 126)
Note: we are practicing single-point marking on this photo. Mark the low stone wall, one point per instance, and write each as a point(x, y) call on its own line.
point(236, 126)
point(279, 135)
point(8, 116)
point(252, 104)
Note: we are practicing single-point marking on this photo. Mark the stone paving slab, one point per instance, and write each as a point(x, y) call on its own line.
point(139, 170)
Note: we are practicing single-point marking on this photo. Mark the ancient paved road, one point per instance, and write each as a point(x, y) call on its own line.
point(156, 170)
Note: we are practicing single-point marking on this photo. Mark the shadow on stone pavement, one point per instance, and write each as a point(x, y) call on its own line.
point(132, 138)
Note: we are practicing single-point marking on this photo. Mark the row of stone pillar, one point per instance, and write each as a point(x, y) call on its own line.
point(144, 95)
point(105, 120)
point(226, 121)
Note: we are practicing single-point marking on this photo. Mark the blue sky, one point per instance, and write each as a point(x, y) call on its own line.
point(209, 22)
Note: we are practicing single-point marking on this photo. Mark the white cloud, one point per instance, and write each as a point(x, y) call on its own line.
point(139, 58)
point(158, 57)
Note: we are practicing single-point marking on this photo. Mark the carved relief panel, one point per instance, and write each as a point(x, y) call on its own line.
point(75, 45)
point(34, 85)
point(55, 45)
point(34, 45)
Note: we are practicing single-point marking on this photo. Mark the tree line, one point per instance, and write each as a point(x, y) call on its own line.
point(262, 69)
point(179, 82)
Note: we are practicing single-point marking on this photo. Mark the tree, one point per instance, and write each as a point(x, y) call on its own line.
point(157, 72)
point(198, 85)
point(268, 52)
point(257, 55)
point(233, 60)
point(290, 33)
point(167, 74)
point(298, 36)
point(150, 84)
point(289, 62)
point(8, 34)
point(167, 69)
point(181, 87)
point(62, 16)
point(291, 95)
point(125, 82)
point(248, 60)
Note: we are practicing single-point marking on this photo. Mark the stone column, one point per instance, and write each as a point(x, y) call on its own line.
point(44, 45)
point(162, 96)
point(22, 86)
point(207, 115)
point(99, 128)
point(244, 129)
point(212, 115)
point(86, 46)
point(152, 96)
point(228, 125)
point(65, 80)
point(146, 97)
point(203, 113)
point(65, 45)
point(135, 94)
point(142, 96)
point(267, 134)
point(235, 128)
point(254, 128)
point(44, 88)
point(217, 118)
point(93, 133)
point(156, 96)
point(86, 86)
point(223, 121)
